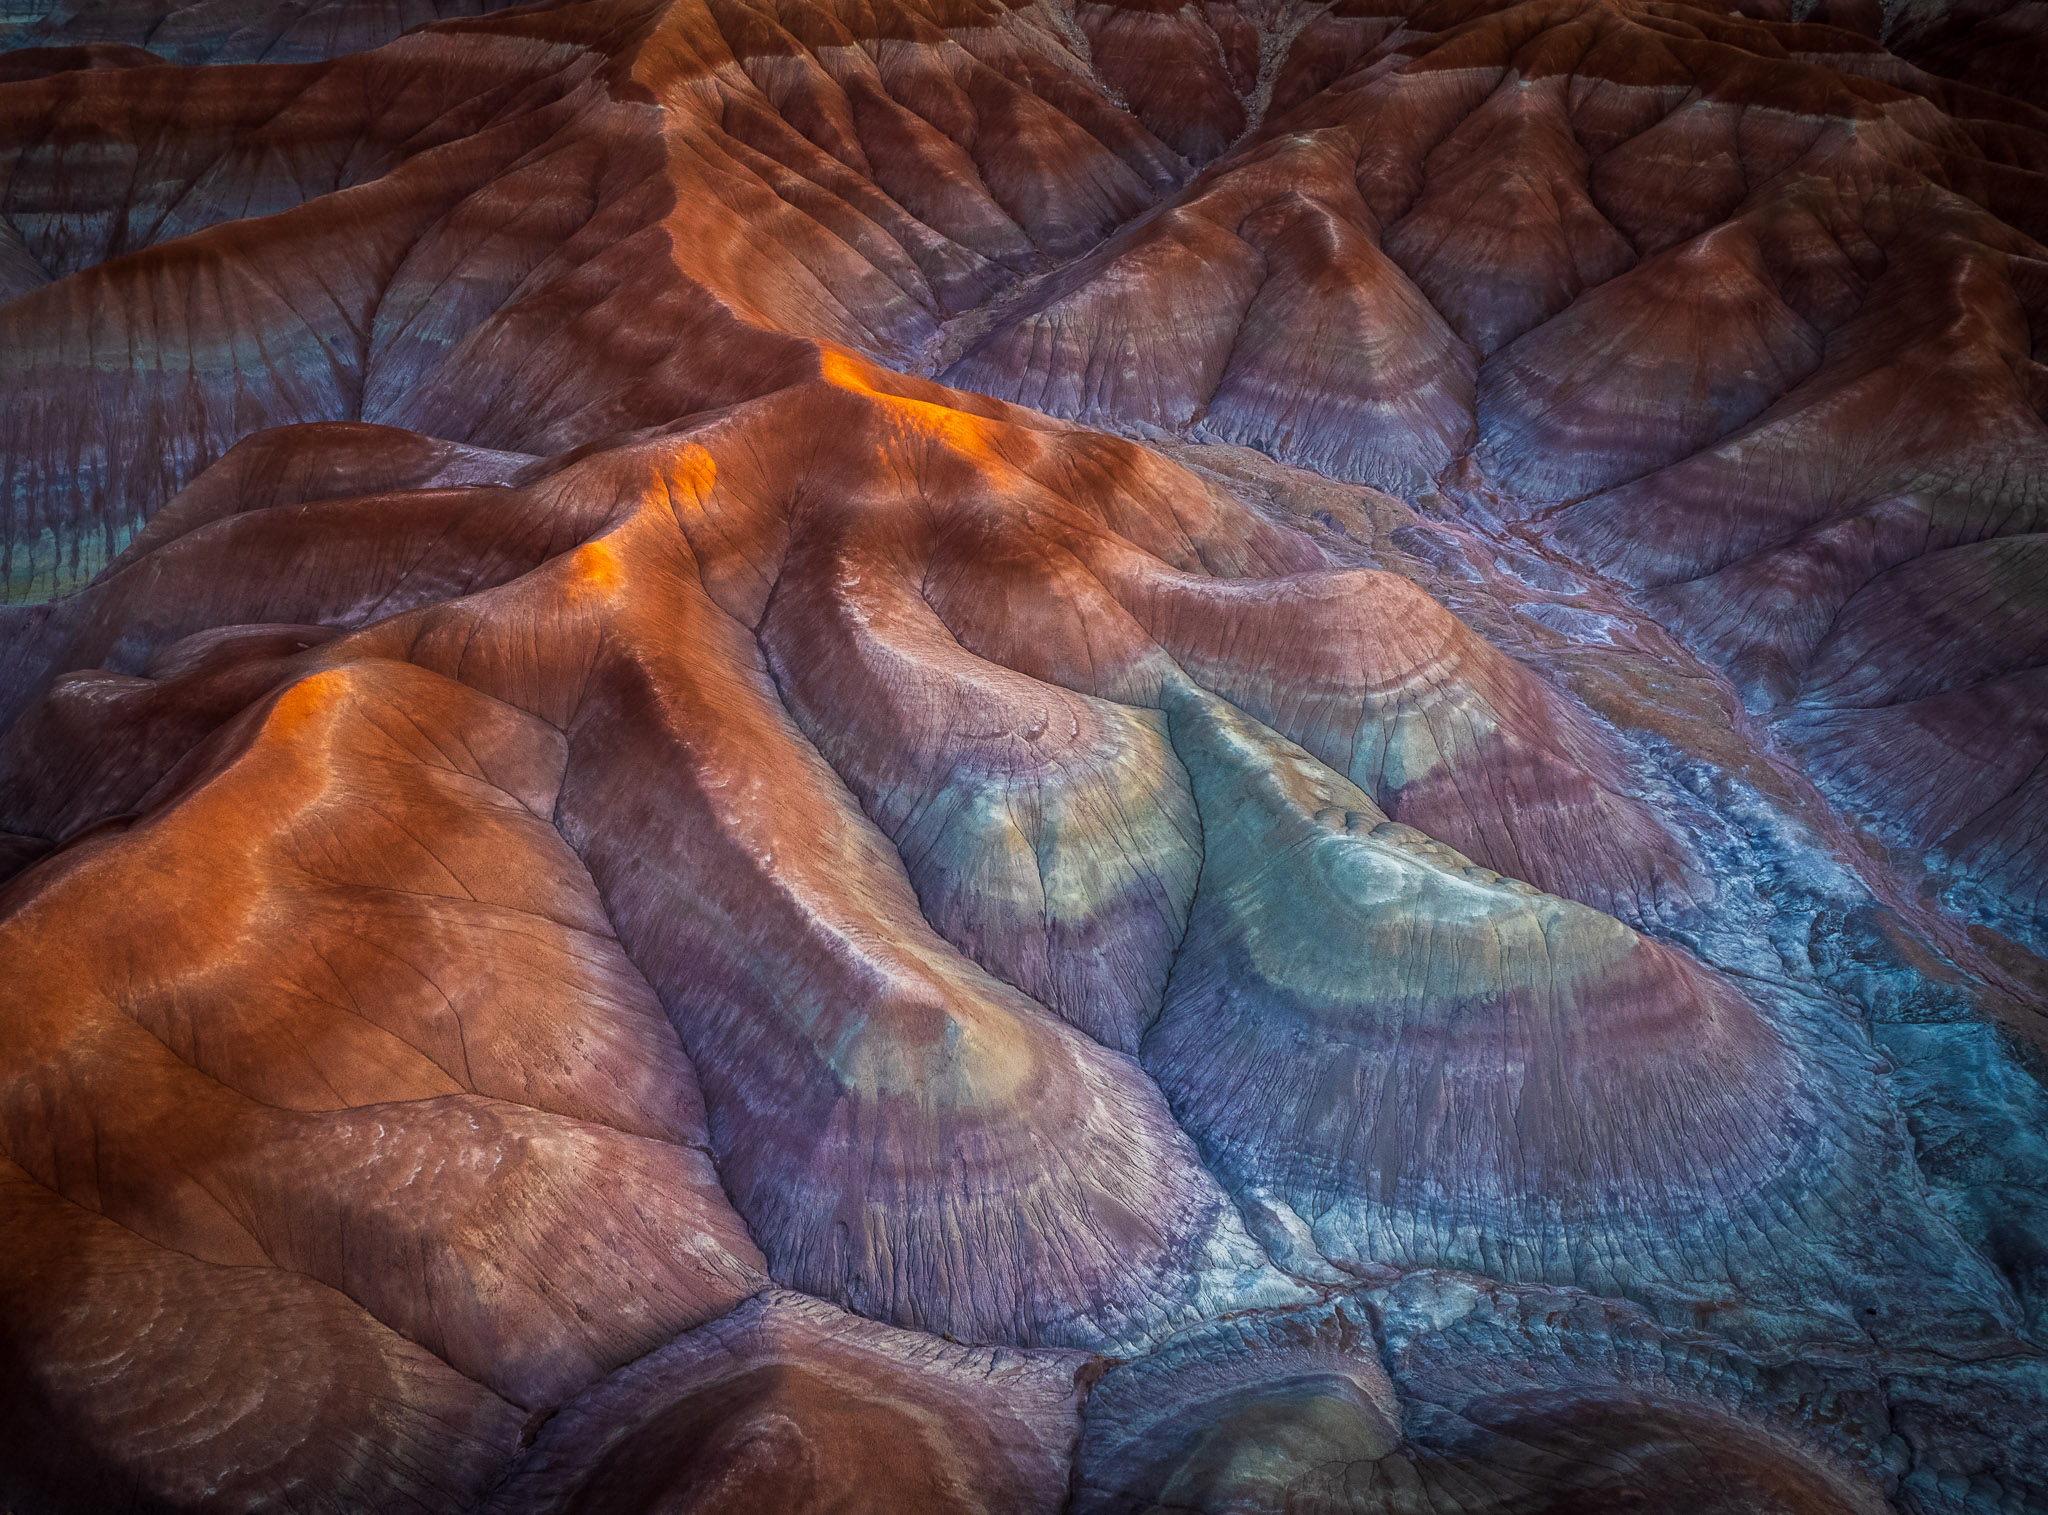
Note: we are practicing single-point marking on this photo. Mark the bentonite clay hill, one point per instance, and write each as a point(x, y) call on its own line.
point(865, 757)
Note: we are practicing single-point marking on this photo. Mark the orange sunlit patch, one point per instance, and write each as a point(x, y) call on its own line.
point(597, 566)
point(311, 699)
point(687, 477)
point(956, 428)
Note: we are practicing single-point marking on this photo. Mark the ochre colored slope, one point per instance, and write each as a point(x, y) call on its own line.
point(939, 756)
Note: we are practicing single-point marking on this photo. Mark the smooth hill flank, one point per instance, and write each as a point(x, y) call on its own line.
point(940, 757)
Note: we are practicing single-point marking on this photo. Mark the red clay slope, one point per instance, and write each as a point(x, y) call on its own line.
point(619, 903)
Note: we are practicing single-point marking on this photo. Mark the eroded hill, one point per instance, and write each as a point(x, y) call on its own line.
point(956, 757)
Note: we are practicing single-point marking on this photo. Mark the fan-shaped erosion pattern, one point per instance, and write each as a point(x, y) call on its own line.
point(772, 757)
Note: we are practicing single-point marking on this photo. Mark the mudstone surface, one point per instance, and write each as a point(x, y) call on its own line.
point(863, 757)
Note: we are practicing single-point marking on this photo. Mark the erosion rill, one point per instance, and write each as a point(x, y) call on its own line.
point(908, 757)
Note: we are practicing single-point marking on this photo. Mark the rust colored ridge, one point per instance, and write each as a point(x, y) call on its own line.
point(1187, 72)
point(1743, 313)
point(1558, 136)
point(526, 233)
point(1281, 233)
point(789, 1404)
point(1438, 726)
point(942, 980)
point(949, 757)
point(957, 1078)
point(344, 1055)
point(337, 1401)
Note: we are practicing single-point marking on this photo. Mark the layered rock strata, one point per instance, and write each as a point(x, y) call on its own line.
point(824, 757)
